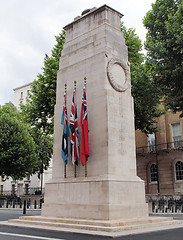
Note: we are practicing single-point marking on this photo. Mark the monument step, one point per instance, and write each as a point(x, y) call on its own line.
point(107, 223)
point(94, 225)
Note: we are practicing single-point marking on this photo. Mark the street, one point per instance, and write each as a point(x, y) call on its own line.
point(15, 233)
point(8, 213)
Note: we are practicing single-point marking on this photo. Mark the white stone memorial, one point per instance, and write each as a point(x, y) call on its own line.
point(95, 49)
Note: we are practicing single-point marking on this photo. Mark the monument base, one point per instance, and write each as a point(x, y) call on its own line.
point(97, 199)
point(96, 227)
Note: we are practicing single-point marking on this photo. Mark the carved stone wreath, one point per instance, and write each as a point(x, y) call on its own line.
point(118, 74)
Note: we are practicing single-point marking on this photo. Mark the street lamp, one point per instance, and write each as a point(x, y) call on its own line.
point(156, 152)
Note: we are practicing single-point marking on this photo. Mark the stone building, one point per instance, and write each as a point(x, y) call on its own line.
point(160, 156)
point(21, 94)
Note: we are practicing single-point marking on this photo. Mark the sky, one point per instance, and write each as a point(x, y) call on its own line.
point(28, 29)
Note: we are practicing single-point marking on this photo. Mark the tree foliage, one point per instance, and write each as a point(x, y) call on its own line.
point(164, 43)
point(20, 145)
point(134, 44)
point(145, 92)
point(44, 149)
point(40, 110)
point(17, 147)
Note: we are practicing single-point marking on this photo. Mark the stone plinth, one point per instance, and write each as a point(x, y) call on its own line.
point(95, 48)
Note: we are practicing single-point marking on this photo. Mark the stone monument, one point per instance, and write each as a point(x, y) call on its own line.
point(95, 49)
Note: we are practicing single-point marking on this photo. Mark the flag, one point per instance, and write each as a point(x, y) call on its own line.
point(64, 122)
point(84, 151)
point(74, 133)
point(47, 57)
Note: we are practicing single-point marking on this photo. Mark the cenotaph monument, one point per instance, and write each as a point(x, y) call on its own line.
point(95, 48)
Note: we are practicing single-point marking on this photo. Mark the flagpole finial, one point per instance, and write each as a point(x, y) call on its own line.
point(75, 85)
point(65, 88)
point(85, 82)
point(65, 92)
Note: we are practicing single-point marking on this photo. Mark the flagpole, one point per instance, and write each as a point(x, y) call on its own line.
point(65, 99)
point(85, 92)
point(74, 101)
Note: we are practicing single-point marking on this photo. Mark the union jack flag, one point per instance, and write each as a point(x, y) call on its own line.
point(47, 57)
point(74, 132)
point(84, 153)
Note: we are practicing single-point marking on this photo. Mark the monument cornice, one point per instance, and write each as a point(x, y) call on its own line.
point(91, 12)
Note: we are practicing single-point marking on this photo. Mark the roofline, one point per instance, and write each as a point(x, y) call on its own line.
point(26, 85)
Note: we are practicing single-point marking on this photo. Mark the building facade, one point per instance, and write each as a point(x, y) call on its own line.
point(160, 156)
point(21, 95)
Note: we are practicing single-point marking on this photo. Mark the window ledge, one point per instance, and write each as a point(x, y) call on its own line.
point(151, 183)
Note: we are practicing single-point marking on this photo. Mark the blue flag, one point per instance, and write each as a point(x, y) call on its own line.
point(64, 122)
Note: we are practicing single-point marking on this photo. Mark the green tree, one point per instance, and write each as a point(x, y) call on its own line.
point(44, 148)
point(20, 145)
point(40, 110)
point(17, 147)
point(145, 92)
point(134, 44)
point(164, 45)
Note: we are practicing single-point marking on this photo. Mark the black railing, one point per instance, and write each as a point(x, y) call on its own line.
point(31, 201)
point(29, 191)
point(36, 191)
point(168, 147)
point(6, 193)
point(165, 203)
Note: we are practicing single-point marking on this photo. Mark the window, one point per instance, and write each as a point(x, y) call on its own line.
point(21, 95)
point(151, 142)
point(176, 132)
point(27, 97)
point(26, 189)
point(1, 189)
point(13, 189)
point(153, 173)
point(20, 189)
point(179, 170)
